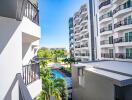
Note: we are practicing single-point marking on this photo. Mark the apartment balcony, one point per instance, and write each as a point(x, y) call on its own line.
point(84, 54)
point(84, 45)
point(105, 5)
point(77, 54)
point(123, 55)
point(78, 39)
point(107, 55)
point(31, 77)
point(105, 18)
point(106, 44)
point(76, 26)
point(123, 25)
point(17, 9)
point(106, 30)
point(117, 1)
point(83, 31)
point(85, 37)
point(83, 11)
point(77, 47)
point(123, 9)
point(84, 21)
point(121, 41)
point(31, 12)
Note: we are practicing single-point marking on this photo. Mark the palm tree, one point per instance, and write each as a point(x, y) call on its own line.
point(59, 84)
point(48, 86)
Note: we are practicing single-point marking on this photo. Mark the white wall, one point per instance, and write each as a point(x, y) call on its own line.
point(10, 54)
point(28, 51)
point(35, 88)
point(12, 46)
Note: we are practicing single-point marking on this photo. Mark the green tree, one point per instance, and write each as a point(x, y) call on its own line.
point(61, 86)
point(69, 61)
point(48, 86)
point(44, 53)
point(59, 53)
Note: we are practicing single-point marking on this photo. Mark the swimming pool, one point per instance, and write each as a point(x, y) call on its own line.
point(58, 74)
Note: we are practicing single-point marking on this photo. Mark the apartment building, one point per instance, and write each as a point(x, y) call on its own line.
point(110, 79)
point(115, 28)
point(19, 42)
point(71, 37)
point(81, 34)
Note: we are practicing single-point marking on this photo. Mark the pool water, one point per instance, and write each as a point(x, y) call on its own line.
point(58, 74)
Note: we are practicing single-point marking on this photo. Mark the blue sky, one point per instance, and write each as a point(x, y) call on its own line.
point(54, 16)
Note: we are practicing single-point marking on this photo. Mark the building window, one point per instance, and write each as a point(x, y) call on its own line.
point(127, 4)
point(111, 40)
point(128, 37)
point(129, 53)
point(111, 53)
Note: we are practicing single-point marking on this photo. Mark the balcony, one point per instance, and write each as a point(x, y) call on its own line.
point(122, 9)
point(103, 4)
point(78, 39)
point(117, 1)
point(106, 30)
point(83, 10)
point(123, 25)
point(31, 11)
point(77, 54)
point(30, 73)
point(83, 30)
point(123, 55)
point(107, 55)
point(105, 18)
point(104, 42)
point(77, 47)
point(121, 41)
point(31, 78)
point(84, 54)
point(84, 45)
point(85, 36)
point(117, 55)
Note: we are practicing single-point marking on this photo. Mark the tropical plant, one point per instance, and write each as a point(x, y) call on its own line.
point(69, 61)
point(50, 87)
point(59, 53)
point(61, 86)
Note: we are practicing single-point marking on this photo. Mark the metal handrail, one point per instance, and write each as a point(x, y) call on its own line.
point(123, 6)
point(123, 23)
point(104, 3)
point(30, 73)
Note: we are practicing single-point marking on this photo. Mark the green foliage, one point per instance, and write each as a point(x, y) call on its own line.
point(44, 53)
point(69, 61)
point(66, 69)
point(55, 55)
point(56, 87)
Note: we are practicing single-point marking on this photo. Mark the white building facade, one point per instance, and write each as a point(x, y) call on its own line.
point(19, 42)
point(115, 20)
point(82, 37)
